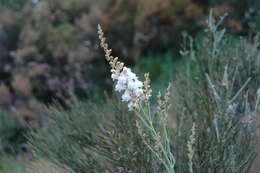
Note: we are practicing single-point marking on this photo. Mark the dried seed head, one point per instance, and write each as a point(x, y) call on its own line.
point(164, 105)
point(112, 60)
point(191, 142)
point(167, 95)
point(158, 143)
point(147, 87)
point(159, 102)
point(141, 132)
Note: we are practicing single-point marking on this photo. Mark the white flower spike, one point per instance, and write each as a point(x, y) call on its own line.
point(133, 91)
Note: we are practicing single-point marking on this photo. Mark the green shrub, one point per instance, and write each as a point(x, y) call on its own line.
point(218, 92)
point(108, 140)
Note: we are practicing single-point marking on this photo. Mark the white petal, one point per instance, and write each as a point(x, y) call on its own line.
point(130, 106)
point(135, 84)
point(138, 92)
point(126, 96)
point(122, 79)
point(119, 87)
point(114, 76)
point(132, 75)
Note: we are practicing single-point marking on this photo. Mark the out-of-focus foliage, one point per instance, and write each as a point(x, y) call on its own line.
point(161, 67)
point(12, 140)
point(149, 24)
point(48, 48)
point(14, 4)
point(11, 165)
point(145, 25)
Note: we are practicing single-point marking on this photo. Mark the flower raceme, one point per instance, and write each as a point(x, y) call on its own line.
point(126, 82)
point(135, 92)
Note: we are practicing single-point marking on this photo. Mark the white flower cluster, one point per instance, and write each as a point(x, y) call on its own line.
point(128, 83)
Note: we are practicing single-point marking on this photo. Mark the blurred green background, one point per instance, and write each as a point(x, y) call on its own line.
point(49, 49)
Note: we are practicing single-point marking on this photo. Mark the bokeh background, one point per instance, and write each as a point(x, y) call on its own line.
point(49, 49)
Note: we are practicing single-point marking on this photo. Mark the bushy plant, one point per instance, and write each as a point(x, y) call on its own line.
point(108, 141)
point(218, 92)
point(214, 104)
